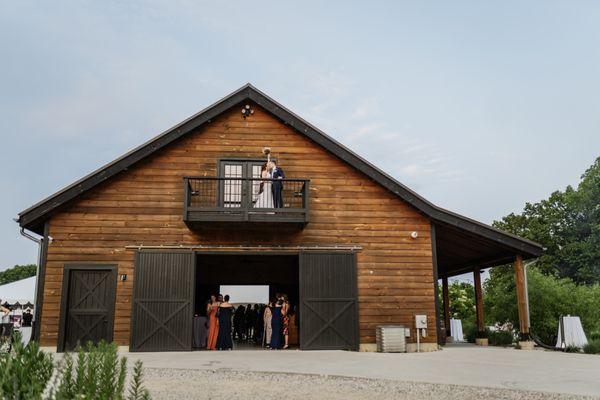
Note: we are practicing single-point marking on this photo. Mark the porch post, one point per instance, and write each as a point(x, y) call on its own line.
point(523, 306)
point(481, 339)
point(446, 301)
point(478, 300)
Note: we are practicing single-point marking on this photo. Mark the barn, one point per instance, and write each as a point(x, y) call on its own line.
point(129, 252)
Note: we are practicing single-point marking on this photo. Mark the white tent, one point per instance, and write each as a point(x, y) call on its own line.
point(22, 291)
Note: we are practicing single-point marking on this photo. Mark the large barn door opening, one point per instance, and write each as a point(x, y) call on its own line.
point(328, 301)
point(163, 299)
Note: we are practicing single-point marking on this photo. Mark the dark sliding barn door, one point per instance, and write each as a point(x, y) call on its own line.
point(163, 299)
point(88, 305)
point(328, 301)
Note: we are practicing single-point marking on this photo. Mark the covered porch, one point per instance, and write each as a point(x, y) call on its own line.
point(471, 248)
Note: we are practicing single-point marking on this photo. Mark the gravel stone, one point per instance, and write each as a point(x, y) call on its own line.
point(171, 383)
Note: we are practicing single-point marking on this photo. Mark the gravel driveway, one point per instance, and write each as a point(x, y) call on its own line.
point(179, 384)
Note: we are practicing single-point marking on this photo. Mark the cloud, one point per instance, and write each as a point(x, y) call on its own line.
point(330, 86)
point(368, 108)
point(403, 153)
point(360, 121)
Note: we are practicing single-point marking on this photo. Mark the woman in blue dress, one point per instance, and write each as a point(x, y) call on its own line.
point(225, 314)
point(276, 325)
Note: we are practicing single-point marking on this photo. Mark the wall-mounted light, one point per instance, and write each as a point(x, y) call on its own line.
point(247, 111)
point(414, 234)
point(123, 277)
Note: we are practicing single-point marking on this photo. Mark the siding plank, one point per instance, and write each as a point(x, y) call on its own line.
point(144, 206)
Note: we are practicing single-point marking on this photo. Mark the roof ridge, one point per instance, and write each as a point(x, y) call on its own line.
point(32, 217)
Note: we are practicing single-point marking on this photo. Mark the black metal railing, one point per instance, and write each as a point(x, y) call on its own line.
point(245, 199)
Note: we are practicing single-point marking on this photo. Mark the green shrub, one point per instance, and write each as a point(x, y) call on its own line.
point(549, 298)
point(501, 338)
point(25, 372)
point(470, 331)
point(572, 349)
point(595, 335)
point(593, 347)
point(98, 373)
point(136, 390)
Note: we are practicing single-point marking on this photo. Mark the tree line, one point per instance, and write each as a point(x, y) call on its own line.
point(17, 273)
point(564, 280)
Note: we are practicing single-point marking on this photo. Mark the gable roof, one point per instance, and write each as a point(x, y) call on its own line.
point(33, 217)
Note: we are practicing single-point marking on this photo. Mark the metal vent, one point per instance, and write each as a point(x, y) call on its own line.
point(391, 339)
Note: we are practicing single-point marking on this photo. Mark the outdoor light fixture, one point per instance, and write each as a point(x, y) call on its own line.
point(123, 277)
point(414, 234)
point(247, 111)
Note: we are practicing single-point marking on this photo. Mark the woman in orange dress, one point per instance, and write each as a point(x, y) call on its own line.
point(213, 323)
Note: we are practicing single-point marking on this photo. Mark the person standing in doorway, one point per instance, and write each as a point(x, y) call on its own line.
point(213, 323)
point(250, 319)
point(238, 323)
point(225, 314)
point(285, 310)
point(277, 186)
point(258, 323)
point(276, 325)
point(267, 325)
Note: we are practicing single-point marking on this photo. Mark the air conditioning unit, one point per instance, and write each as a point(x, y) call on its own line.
point(391, 338)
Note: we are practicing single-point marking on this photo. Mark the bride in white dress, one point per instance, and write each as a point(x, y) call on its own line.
point(264, 196)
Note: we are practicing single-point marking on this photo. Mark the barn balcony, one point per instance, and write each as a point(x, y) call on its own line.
point(212, 202)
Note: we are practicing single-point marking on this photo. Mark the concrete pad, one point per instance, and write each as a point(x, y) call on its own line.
point(494, 367)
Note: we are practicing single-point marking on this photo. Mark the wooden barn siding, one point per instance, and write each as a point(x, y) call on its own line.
point(144, 206)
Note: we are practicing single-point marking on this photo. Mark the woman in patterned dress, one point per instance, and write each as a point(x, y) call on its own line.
point(286, 321)
point(267, 325)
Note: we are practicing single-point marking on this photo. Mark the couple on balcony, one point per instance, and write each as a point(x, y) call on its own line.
point(270, 190)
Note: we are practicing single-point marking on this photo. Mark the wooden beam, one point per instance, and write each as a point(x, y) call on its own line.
point(441, 338)
point(478, 300)
point(487, 262)
point(446, 301)
point(522, 297)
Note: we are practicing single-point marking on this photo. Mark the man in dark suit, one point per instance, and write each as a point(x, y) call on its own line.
point(277, 186)
point(27, 318)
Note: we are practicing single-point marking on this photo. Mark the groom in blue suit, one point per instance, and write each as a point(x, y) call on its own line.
point(277, 186)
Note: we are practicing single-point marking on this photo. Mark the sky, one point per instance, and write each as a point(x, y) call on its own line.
point(478, 106)
point(246, 294)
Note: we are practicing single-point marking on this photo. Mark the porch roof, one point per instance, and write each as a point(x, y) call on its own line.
point(460, 251)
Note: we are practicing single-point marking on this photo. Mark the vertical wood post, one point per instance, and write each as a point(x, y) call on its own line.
point(521, 298)
point(478, 300)
point(446, 301)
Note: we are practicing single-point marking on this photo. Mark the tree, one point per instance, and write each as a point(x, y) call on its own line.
point(567, 224)
point(549, 298)
point(565, 279)
point(17, 273)
point(462, 300)
point(461, 296)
